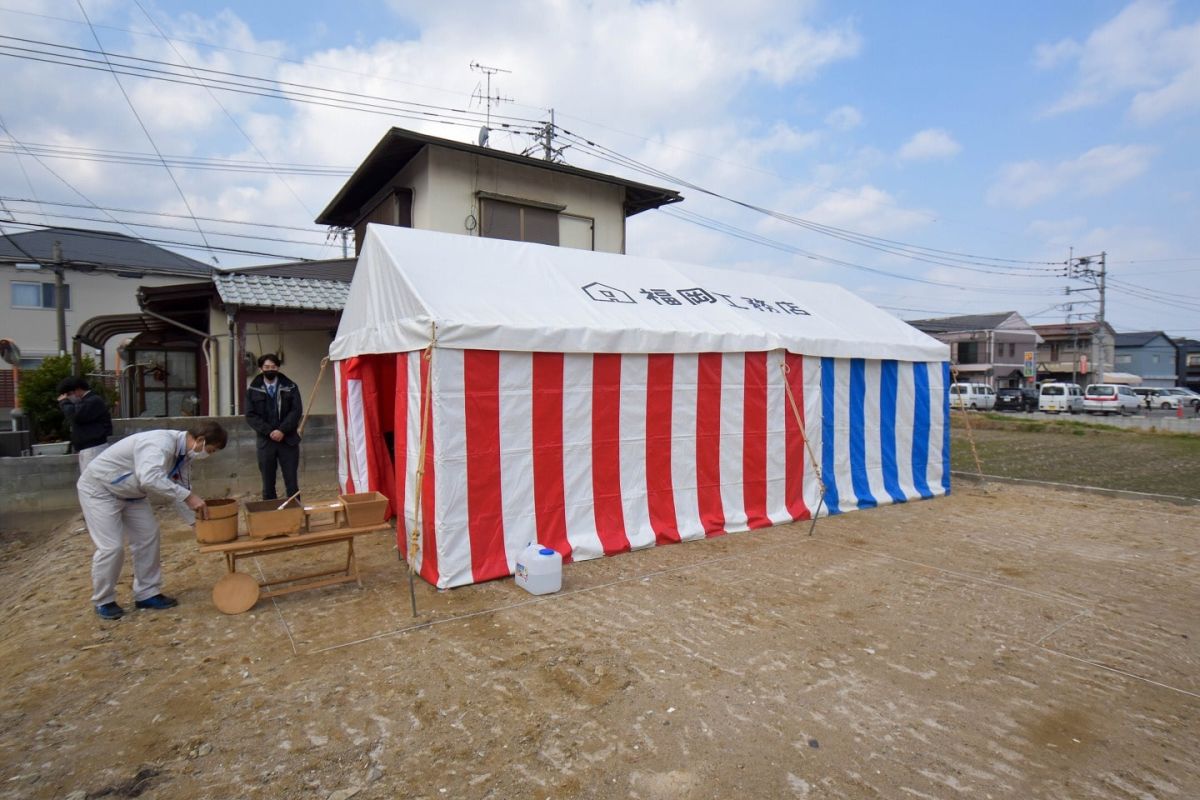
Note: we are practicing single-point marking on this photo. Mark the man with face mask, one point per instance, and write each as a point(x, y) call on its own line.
point(273, 410)
point(113, 492)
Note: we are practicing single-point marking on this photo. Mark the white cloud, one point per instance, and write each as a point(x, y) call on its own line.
point(1141, 52)
point(844, 118)
point(1048, 56)
point(1096, 172)
point(928, 144)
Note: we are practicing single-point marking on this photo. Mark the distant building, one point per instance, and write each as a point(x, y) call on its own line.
point(1078, 352)
point(1188, 363)
point(985, 348)
point(1151, 355)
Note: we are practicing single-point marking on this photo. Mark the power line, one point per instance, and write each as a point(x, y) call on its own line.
point(893, 247)
point(224, 110)
point(178, 244)
point(142, 125)
point(721, 227)
point(133, 158)
point(134, 66)
point(313, 230)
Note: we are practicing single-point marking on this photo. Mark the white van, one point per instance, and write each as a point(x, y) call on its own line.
point(978, 396)
point(1056, 397)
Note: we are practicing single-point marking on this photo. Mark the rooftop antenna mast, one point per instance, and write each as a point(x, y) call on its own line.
point(488, 97)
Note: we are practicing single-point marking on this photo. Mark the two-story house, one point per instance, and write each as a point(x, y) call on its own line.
point(1150, 355)
point(985, 348)
point(101, 271)
point(408, 179)
point(1078, 352)
point(1188, 363)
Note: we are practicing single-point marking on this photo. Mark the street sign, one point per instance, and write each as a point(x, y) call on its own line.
point(1083, 364)
point(1029, 365)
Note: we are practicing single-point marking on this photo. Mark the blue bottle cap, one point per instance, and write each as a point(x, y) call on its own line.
point(546, 551)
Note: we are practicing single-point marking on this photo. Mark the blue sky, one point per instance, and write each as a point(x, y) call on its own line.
point(1010, 133)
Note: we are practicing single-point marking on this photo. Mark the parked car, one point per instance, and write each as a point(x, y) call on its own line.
point(1057, 397)
point(1008, 400)
point(1110, 398)
point(1157, 398)
point(978, 396)
point(1187, 396)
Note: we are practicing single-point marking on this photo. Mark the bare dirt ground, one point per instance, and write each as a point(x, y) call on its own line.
point(1010, 643)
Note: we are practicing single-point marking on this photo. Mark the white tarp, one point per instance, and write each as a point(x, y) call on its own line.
point(490, 294)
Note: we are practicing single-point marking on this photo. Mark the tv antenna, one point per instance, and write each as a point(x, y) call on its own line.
point(487, 97)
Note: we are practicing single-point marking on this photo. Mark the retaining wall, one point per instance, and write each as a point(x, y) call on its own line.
point(47, 483)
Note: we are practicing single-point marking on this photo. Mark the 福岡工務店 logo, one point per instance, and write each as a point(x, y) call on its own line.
point(694, 296)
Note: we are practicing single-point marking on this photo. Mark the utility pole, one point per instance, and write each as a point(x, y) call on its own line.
point(60, 307)
point(1092, 270)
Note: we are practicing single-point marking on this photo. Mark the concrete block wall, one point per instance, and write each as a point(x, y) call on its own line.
point(47, 483)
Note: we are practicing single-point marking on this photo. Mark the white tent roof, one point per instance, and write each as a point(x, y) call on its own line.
point(490, 294)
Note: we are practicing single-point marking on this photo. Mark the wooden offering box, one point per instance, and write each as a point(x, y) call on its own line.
point(265, 518)
point(364, 509)
point(222, 523)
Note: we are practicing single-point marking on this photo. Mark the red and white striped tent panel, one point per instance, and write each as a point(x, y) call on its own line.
point(599, 454)
point(598, 403)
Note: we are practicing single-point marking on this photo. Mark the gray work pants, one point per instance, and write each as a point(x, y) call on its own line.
point(111, 522)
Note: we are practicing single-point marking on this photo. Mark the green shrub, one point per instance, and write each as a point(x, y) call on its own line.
point(38, 396)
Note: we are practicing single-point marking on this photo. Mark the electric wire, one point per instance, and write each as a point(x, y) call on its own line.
point(898, 248)
point(262, 87)
point(225, 111)
point(133, 158)
point(223, 220)
point(142, 125)
point(178, 244)
point(721, 227)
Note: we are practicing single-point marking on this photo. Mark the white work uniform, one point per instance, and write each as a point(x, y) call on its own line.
point(113, 492)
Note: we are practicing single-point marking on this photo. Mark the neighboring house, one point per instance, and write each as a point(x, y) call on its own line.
point(101, 273)
point(1078, 352)
point(1188, 363)
point(1150, 355)
point(985, 348)
point(419, 181)
point(197, 344)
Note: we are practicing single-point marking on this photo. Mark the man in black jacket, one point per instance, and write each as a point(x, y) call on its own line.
point(86, 411)
point(273, 410)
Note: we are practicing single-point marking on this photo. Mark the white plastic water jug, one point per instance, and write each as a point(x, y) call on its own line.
point(539, 570)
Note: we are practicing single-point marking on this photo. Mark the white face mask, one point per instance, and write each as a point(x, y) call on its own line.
point(198, 455)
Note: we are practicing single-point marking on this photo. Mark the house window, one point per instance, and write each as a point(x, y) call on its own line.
point(38, 295)
point(968, 352)
point(517, 222)
point(1154, 358)
point(1054, 352)
point(1193, 359)
point(1124, 358)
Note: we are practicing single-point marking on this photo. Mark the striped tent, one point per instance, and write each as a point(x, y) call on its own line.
point(501, 393)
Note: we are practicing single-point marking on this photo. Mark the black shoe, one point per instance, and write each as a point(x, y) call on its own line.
point(110, 611)
point(158, 602)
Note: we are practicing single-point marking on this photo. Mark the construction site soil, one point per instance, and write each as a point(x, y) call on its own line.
point(1003, 642)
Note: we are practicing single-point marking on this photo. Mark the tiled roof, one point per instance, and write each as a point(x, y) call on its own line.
point(968, 322)
point(1139, 338)
point(106, 250)
point(334, 269)
point(268, 291)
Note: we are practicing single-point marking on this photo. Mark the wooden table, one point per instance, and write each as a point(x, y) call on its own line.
point(245, 547)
